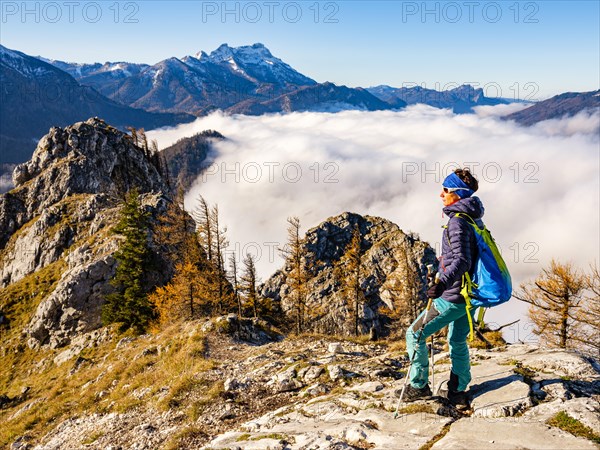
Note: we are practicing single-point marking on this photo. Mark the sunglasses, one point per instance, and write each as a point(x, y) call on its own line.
point(448, 190)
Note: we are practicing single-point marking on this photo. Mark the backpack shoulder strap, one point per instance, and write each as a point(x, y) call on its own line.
point(464, 216)
point(472, 221)
point(467, 217)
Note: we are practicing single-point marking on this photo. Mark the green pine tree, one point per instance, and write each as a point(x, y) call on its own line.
point(129, 304)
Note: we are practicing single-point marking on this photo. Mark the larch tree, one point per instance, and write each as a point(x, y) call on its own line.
point(297, 277)
point(350, 272)
point(248, 285)
point(183, 298)
point(175, 234)
point(213, 241)
point(204, 235)
point(235, 284)
point(405, 289)
point(555, 298)
point(134, 135)
point(202, 216)
point(589, 313)
point(220, 243)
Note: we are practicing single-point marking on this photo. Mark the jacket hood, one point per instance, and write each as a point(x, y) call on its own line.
point(471, 206)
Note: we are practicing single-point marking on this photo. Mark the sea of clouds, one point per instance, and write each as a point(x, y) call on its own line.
point(540, 185)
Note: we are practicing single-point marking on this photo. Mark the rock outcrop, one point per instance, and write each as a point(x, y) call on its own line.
point(65, 201)
point(395, 267)
point(505, 411)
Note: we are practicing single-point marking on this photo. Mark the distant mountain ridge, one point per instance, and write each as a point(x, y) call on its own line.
point(256, 63)
point(37, 96)
point(325, 97)
point(563, 105)
point(461, 99)
point(194, 84)
point(250, 80)
point(242, 80)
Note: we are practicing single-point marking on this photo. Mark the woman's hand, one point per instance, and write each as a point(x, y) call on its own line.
point(436, 290)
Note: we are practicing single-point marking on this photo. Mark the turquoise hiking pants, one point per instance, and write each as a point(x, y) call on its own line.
point(440, 314)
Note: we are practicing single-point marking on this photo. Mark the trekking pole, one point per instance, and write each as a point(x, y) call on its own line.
point(436, 281)
point(432, 368)
point(412, 360)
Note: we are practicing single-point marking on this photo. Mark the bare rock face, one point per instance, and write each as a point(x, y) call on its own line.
point(62, 208)
point(395, 265)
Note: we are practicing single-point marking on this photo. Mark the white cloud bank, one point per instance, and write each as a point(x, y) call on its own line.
point(540, 185)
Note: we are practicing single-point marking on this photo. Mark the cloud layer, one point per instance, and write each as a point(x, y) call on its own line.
point(540, 185)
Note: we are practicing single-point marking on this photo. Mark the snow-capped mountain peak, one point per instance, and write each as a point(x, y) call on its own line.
point(223, 53)
point(247, 54)
point(254, 62)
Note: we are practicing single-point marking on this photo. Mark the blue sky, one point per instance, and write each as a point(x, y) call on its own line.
point(525, 49)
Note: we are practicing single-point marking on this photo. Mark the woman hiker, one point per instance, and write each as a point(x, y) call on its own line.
point(448, 307)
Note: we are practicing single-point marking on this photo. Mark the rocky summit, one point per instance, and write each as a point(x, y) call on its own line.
point(392, 264)
point(58, 219)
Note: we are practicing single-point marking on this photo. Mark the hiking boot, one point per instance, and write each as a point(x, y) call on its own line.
point(458, 398)
point(412, 393)
point(450, 392)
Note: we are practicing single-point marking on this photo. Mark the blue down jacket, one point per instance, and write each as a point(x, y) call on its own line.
point(460, 250)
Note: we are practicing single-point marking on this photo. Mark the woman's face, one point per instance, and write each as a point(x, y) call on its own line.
point(448, 198)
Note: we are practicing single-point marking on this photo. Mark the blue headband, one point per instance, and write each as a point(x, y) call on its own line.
point(452, 181)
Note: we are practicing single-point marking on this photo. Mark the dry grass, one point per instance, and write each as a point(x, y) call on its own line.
point(493, 337)
point(416, 408)
point(571, 425)
point(397, 346)
point(186, 438)
point(107, 383)
point(437, 437)
point(19, 300)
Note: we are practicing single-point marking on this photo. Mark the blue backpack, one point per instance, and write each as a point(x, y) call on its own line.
point(490, 284)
